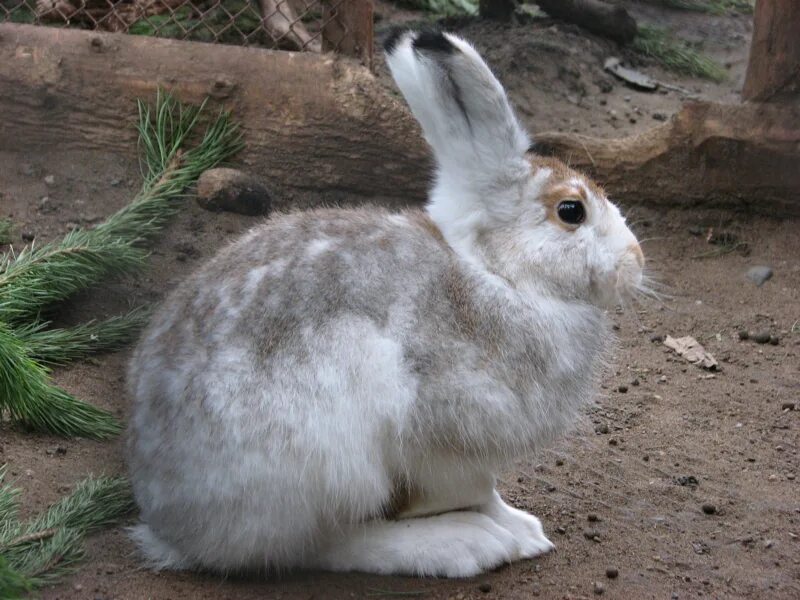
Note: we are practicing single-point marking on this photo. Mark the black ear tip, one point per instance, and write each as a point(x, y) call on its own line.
point(433, 41)
point(393, 38)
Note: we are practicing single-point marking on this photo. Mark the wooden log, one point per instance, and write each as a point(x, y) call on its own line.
point(773, 71)
point(348, 29)
point(740, 155)
point(312, 122)
point(609, 20)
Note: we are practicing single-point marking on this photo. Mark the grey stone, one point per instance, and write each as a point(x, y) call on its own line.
point(759, 274)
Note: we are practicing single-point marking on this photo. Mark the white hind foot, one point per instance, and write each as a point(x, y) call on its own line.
point(527, 529)
point(454, 544)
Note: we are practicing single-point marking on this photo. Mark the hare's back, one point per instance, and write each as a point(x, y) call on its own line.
point(296, 277)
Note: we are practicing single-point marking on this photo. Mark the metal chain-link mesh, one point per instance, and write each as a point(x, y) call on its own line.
point(277, 24)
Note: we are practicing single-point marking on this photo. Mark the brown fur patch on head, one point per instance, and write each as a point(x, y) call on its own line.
point(560, 188)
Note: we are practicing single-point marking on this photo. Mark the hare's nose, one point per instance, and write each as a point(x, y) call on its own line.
point(636, 250)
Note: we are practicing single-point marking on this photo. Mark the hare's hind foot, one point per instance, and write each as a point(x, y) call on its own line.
point(454, 544)
point(460, 543)
point(526, 528)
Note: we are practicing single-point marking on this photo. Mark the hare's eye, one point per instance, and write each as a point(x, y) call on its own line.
point(571, 212)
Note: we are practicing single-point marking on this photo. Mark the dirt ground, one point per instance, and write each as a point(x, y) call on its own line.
point(626, 490)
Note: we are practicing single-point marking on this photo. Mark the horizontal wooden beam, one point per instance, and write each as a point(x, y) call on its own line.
point(319, 123)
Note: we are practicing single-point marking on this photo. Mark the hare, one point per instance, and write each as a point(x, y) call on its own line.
point(339, 388)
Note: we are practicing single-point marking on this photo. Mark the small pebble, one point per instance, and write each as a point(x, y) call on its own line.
point(659, 116)
point(688, 480)
point(50, 180)
point(591, 534)
point(599, 588)
point(623, 389)
point(769, 544)
point(774, 340)
point(759, 275)
point(709, 508)
point(28, 236)
point(602, 428)
point(788, 406)
point(744, 335)
point(561, 530)
point(115, 182)
point(657, 338)
point(762, 337)
point(612, 572)
point(485, 587)
point(635, 382)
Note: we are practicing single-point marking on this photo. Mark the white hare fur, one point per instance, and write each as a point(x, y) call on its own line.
point(338, 388)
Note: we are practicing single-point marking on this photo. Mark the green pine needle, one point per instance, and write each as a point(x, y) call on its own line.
point(60, 346)
point(38, 277)
point(6, 228)
point(12, 584)
point(174, 155)
point(676, 54)
point(29, 398)
point(48, 546)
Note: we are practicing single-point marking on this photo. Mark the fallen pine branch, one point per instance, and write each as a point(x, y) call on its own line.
point(35, 279)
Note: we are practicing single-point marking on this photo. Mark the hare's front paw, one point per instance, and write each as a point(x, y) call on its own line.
point(526, 528)
point(471, 544)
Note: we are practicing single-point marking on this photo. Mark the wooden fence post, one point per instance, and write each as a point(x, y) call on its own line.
point(773, 72)
point(348, 28)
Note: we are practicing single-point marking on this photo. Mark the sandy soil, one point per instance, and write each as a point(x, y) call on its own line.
point(626, 490)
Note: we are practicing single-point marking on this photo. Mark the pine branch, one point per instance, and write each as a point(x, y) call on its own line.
point(38, 277)
point(60, 346)
point(28, 397)
point(49, 545)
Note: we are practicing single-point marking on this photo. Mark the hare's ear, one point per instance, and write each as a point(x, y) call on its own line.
point(463, 109)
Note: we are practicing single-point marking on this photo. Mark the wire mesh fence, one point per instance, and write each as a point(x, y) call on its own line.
point(309, 25)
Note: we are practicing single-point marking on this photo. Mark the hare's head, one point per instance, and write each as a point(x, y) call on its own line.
point(528, 219)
